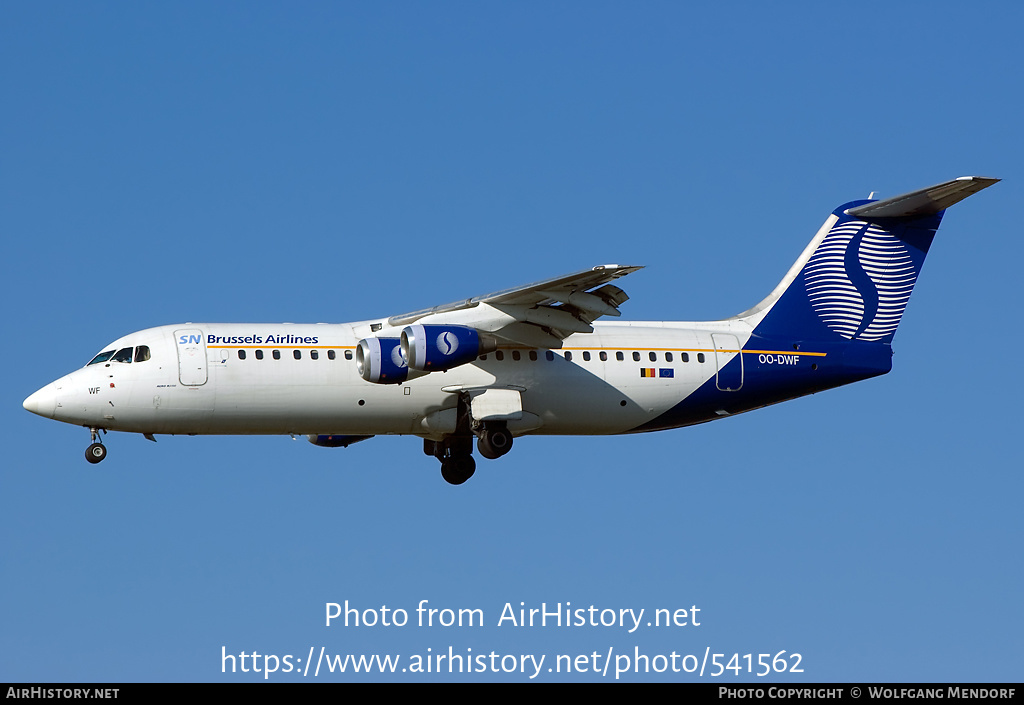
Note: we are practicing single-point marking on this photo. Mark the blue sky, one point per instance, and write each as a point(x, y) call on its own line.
point(341, 161)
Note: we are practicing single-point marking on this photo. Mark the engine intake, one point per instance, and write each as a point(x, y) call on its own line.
point(381, 361)
point(436, 348)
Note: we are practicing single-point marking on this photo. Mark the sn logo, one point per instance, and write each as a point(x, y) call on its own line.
point(447, 343)
point(189, 339)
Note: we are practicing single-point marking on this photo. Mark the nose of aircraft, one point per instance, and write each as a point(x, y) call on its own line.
point(43, 402)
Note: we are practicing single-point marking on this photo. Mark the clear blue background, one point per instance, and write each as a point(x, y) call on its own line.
point(163, 163)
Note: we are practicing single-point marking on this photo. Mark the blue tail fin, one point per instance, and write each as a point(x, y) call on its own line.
point(854, 279)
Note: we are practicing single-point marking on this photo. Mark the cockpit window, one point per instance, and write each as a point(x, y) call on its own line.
point(142, 353)
point(123, 355)
point(102, 357)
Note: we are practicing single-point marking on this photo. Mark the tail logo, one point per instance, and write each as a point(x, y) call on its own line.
point(859, 280)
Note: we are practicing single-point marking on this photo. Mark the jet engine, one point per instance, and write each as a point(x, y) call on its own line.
point(380, 360)
point(436, 348)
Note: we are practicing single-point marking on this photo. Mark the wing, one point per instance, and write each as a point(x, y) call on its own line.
point(541, 314)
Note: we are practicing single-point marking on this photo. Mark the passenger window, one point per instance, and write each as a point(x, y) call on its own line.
point(241, 354)
point(348, 355)
point(314, 355)
point(603, 356)
point(102, 357)
point(586, 356)
point(568, 356)
point(686, 357)
point(297, 354)
point(499, 356)
point(653, 356)
point(668, 357)
point(533, 355)
point(515, 355)
point(548, 355)
point(277, 354)
point(700, 357)
point(259, 354)
point(123, 355)
point(142, 353)
point(636, 357)
point(619, 356)
point(331, 354)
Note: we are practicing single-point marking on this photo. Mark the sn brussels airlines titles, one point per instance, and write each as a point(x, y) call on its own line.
point(270, 339)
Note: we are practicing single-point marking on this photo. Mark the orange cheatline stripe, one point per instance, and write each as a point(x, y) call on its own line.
point(781, 352)
point(520, 347)
point(707, 350)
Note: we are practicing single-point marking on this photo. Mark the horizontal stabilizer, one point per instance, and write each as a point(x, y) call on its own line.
point(926, 201)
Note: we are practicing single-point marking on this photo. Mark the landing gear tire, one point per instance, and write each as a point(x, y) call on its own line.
point(95, 453)
point(494, 442)
point(458, 469)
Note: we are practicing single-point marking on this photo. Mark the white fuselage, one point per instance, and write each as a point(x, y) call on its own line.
point(302, 379)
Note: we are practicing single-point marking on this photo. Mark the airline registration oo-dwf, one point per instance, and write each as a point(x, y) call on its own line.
point(526, 360)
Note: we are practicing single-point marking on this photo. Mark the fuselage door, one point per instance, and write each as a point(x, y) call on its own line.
point(729, 361)
point(191, 356)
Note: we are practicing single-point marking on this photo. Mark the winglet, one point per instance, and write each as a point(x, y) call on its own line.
point(926, 201)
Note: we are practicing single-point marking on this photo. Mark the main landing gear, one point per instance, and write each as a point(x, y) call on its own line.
point(97, 451)
point(494, 440)
point(456, 456)
point(456, 451)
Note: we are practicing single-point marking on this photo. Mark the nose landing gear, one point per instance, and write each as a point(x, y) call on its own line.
point(97, 451)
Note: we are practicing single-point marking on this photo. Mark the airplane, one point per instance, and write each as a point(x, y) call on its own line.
point(531, 359)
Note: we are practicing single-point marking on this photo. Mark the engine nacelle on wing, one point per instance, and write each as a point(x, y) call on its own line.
point(380, 360)
point(436, 348)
